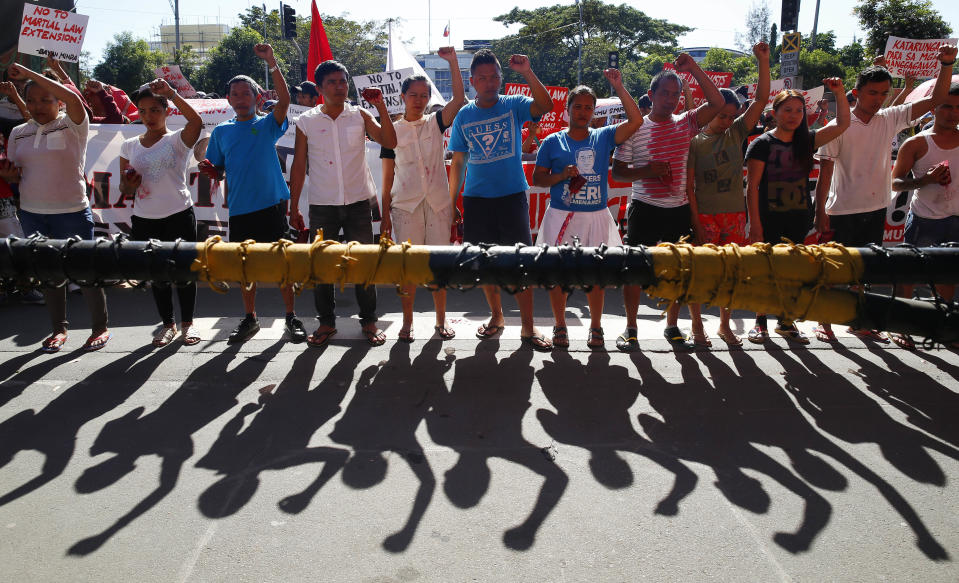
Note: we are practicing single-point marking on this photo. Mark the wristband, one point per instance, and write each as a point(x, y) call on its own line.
point(949, 64)
point(274, 68)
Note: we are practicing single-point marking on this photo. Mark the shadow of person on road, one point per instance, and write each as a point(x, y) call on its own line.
point(52, 431)
point(208, 392)
point(13, 380)
point(699, 424)
point(278, 437)
point(389, 404)
point(842, 410)
point(928, 404)
point(592, 403)
point(481, 417)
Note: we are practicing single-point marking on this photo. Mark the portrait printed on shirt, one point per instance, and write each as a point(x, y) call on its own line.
point(491, 140)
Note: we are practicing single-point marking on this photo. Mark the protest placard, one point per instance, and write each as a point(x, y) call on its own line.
point(553, 120)
point(718, 79)
point(811, 96)
point(47, 32)
point(172, 75)
point(916, 58)
point(389, 82)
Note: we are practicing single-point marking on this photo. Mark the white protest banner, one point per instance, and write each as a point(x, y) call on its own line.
point(174, 76)
point(719, 79)
point(916, 58)
point(389, 82)
point(609, 107)
point(46, 32)
point(812, 96)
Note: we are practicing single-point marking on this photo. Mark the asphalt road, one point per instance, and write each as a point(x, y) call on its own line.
point(468, 460)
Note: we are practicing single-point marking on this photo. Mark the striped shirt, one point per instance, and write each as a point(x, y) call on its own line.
point(661, 142)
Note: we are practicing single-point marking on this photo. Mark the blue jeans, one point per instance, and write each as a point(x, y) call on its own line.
point(63, 226)
point(356, 220)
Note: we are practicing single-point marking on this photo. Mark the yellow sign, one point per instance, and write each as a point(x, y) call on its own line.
point(791, 42)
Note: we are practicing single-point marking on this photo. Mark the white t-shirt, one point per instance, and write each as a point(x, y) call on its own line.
point(336, 151)
point(420, 171)
point(862, 156)
point(163, 191)
point(51, 158)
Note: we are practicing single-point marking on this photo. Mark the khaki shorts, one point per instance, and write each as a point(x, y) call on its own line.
point(422, 226)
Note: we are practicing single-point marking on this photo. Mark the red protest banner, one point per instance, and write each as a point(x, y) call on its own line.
point(718, 79)
point(554, 120)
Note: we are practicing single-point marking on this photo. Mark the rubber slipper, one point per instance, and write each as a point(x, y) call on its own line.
point(54, 343)
point(484, 331)
point(376, 337)
point(537, 342)
point(730, 339)
point(627, 341)
point(444, 332)
point(902, 340)
point(792, 333)
point(560, 337)
point(824, 334)
point(190, 336)
point(873, 335)
point(97, 342)
point(758, 335)
point(702, 341)
point(677, 339)
point(597, 339)
point(404, 337)
point(319, 338)
point(164, 336)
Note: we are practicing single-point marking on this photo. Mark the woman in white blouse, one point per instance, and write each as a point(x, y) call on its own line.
point(416, 199)
point(153, 173)
point(46, 156)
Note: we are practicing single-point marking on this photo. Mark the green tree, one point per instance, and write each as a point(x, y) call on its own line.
point(758, 21)
point(550, 36)
point(188, 60)
point(905, 18)
point(853, 55)
point(814, 66)
point(825, 41)
point(773, 44)
point(232, 56)
point(127, 62)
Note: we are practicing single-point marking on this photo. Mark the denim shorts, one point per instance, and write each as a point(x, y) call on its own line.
point(503, 220)
point(927, 232)
point(58, 225)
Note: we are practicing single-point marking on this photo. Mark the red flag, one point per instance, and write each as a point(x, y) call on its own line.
point(319, 45)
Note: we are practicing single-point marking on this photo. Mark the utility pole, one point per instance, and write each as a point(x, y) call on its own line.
point(815, 25)
point(579, 67)
point(266, 68)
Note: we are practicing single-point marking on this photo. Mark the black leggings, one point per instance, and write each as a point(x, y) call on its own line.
point(181, 225)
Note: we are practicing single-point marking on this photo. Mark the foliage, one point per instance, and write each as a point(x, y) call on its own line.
point(232, 56)
point(905, 18)
point(189, 61)
point(758, 21)
point(127, 62)
point(550, 36)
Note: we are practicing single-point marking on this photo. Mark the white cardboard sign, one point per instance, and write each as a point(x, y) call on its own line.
point(918, 58)
point(46, 32)
point(389, 82)
point(174, 76)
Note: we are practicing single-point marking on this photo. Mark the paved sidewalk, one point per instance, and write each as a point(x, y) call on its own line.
point(469, 460)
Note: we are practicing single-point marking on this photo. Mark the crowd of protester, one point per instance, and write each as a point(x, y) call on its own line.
point(685, 169)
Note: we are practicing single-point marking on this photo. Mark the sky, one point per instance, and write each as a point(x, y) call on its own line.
point(423, 21)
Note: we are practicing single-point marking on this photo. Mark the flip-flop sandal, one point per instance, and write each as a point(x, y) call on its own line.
point(730, 339)
point(872, 335)
point(537, 342)
point(164, 336)
point(407, 337)
point(97, 342)
point(677, 339)
point(792, 333)
point(902, 340)
point(54, 343)
point(376, 337)
point(702, 341)
point(824, 334)
point(484, 331)
point(758, 335)
point(627, 341)
point(444, 332)
point(560, 337)
point(319, 338)
point(597, 339)
point(190, 336)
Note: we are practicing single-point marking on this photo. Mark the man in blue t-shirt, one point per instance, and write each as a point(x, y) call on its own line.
point(486, 139)
point(245, 147)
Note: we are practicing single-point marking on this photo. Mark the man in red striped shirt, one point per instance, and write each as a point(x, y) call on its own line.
point(654, 160)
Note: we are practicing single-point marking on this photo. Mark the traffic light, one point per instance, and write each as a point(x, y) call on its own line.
point(790, 15)
point(288, 16)
point(613, 61)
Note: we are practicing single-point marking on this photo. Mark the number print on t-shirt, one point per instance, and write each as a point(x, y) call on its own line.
point(786, 179)
point(490, 139)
